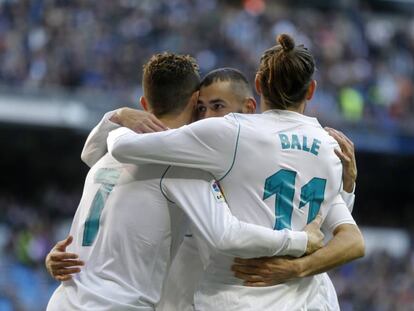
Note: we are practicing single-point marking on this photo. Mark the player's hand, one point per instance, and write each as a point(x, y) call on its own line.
point(266, 271)
point(137, 120)
point(315, 235)
point(347, 156)
point(60, 264)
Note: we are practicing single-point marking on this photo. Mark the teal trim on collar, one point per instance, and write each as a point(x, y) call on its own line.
point(235, 149)
point(162, 191)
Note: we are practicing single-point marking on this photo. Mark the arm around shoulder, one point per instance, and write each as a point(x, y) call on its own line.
point(199, 196)
point(95, 145)
point(208, 145)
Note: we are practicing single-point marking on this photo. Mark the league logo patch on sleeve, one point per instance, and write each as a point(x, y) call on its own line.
point(218, 194)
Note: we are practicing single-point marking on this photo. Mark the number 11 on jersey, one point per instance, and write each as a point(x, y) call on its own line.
point(282, 184)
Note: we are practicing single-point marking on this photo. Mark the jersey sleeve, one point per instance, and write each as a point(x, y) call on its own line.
point(95, 146)
point(338, 214)
point(209, 145)
point(199, 195)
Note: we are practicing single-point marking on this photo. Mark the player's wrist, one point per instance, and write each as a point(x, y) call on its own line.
point(349, 186)
point(298, 243)
point(300, 267)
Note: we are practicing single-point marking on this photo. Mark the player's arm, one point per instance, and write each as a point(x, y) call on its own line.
point(210, 145)
point(347, 155)
point(95, 147)
point(137, 120)
point(346, 245)
point(198, 194)
point(60, 264)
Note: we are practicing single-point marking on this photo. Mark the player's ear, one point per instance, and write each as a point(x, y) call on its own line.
point(144, 103)
point(192, 103)
point(249, 106)
point(194, 97)
point(257, 84)
point(311, 90)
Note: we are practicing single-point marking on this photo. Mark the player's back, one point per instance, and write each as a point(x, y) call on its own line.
point(284, 172)
point(122, 230)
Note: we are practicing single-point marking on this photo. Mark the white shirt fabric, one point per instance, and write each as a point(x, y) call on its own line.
point(180, 286)
point(248, 153)
point(130, 223)
point(95, 148)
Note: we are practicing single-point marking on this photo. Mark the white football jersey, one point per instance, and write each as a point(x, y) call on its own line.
point(180, 286)
point(281, 165)
point(130, 222)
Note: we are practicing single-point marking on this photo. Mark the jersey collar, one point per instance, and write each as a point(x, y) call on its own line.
point(292, 115)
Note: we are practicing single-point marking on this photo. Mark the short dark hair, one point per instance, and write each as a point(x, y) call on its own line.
point(285, 73)
point(169, 80)
point(228, 74)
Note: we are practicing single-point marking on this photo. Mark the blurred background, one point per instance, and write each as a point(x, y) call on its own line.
point(63, 63)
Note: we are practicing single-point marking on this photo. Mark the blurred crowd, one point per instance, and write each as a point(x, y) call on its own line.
point(364, 59)
point(28, 231)
point(379, 282)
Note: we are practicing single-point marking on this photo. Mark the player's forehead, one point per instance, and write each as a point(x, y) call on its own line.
point(218, 90)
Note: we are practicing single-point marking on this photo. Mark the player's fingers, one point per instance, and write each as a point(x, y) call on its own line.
point(67, 263)
point(340, 140)
point(154, 127)
point(336, 133)
point(342, 156)
point(347, 143)
point(156, 121)
point(251, 270)
point(350, 142)
point(65, 271)
point(258, 284)
point(59, 256)
point(344, 137)
point(63, 278)
point(61, 245)
point(249, 277)
point(331, 131)
point(249, 262)
point(318, 220)
point(143, 128)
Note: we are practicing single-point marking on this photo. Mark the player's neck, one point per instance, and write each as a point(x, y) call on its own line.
point(299, 109)
point(175, 121)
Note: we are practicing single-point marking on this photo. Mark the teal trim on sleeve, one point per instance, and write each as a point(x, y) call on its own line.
point(235, 149)
point(162, 191)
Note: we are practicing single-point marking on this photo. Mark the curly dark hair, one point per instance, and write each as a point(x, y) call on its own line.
point(169, 80)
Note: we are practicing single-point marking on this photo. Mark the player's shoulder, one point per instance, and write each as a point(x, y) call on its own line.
point(326, 151)
point(226, 123)
point(214, 132)
point(316, 130)
point(244, 117)
point(229, 119)
point(327, 140)
point(249, 121)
